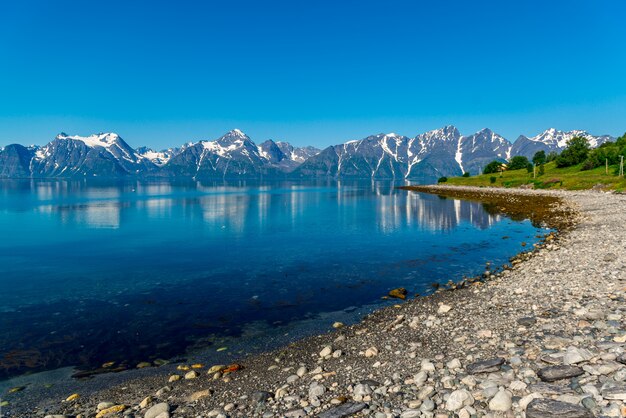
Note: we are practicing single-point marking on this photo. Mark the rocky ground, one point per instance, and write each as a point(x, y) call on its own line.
point(545, 337)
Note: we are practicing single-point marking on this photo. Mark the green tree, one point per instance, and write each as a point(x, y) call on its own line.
point(493, 167)
point(552, 155)
point(607, 152)
point(576, 152)
point(517, 163)
point(539, 157)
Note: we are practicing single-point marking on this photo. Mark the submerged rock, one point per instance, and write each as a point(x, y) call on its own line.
point(399, 293)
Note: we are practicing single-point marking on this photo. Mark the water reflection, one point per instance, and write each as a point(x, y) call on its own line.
point(158, 268)
point(241, 207)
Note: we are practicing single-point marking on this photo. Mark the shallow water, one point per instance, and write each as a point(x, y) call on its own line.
point(129, 272)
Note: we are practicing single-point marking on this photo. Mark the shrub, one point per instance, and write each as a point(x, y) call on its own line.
point(442, 180)
point(492, 179)
point(575, 153)
point(542, 170)
point(466, 174)
point(518, 162)
point(492, 167)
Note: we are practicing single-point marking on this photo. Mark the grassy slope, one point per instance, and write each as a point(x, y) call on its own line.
point(572, 178)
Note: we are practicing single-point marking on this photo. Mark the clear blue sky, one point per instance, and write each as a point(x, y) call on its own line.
point(161, 73)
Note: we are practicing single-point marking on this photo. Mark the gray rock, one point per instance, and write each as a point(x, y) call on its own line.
point(485, 366)
point(622, 359)
point(362, 390)
point(527, 321)
point(296, 413)
point(261, 396)
point(345, 410)
point(548, 389)
point(554, 373)
point(615, 392)
point(369, 382)
point(157, 410)
point(547, 408)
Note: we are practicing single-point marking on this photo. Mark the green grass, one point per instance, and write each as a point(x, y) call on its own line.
point(570, 178)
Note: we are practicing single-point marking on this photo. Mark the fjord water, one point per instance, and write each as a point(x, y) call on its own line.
point(130, 272)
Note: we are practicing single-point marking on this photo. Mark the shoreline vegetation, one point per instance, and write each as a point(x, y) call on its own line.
point(577, 167)
point(543, 337)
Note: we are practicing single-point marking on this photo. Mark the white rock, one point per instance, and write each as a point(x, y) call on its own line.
point(458, 399)
point(517, 385)
point(443, 308)
point(501, 402)
point(428, 366)
point(371, 352)
point(523, 403)
point(157, 410)
point(420, 378)
point(454, 364)
point(104, 405)
point(326, 351)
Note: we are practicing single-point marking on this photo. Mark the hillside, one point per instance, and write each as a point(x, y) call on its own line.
point(570, 178)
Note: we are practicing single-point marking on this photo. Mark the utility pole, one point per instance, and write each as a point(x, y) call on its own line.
point(534, 170)
point(607, 166)
point(621, 166)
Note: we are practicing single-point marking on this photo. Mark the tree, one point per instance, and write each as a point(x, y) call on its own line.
point(551, 156)
point(493, 167)
point(442, 180)
point(605, 153)
point(575, 153)
point(518, 162)
point(466, 174)
point(539, 158)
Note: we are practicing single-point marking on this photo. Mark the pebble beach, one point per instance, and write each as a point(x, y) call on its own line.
point(544, 336)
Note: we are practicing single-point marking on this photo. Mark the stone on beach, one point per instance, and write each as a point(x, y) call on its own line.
point(345, 410)
point(548, 408)
point(485, 366)
point(554, 373)
point(157, 410)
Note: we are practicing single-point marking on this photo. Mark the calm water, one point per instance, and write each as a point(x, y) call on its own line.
point(131, 272)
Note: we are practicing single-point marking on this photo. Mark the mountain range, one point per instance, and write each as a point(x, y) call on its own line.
point(427, 156)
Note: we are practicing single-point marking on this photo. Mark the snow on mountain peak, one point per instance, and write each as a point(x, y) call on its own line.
point(237, 132)
point(94, 140)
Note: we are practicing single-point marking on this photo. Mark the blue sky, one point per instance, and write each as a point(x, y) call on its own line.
point(161, 73)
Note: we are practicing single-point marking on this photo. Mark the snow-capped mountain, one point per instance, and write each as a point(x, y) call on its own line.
point(100, 155)
point(425, 157)
point(297, 154)
point(553, 140)
point(158, 158)
point(440, 152)
point(232, 155)
point(481, 148)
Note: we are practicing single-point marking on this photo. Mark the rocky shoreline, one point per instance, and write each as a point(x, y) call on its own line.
point(545, 337)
